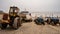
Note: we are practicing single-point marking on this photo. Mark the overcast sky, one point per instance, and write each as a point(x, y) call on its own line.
point(31, 5)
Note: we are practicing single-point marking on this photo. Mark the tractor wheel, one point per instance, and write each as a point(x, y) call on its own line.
point(43, 23)
point(55, 23)
point(52, 23)
point(3, 26)
point(16, 23)
point(59, 23)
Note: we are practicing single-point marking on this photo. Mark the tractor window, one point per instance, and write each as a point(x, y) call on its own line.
point(11, 10)
point(15, 11)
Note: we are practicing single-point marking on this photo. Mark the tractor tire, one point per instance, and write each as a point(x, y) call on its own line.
point(3, 26)
point(55, 23)
point(16, 23)
point(43, 23)
point(52, 23)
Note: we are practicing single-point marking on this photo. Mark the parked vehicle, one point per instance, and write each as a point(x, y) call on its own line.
point(12, 18)
point(39, 21)
point(26, 16)
point(53, 20)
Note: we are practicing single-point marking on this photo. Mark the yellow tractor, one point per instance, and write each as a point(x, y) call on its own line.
point(12, 19)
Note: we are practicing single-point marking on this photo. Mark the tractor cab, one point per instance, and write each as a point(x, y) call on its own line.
point(13, 11)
